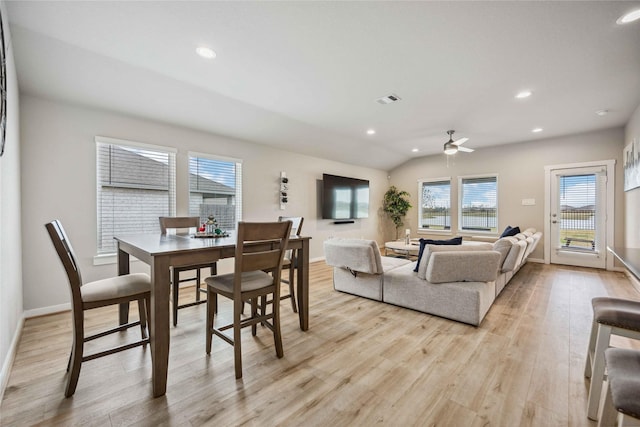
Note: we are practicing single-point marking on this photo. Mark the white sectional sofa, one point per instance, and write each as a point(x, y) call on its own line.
point(456, 282)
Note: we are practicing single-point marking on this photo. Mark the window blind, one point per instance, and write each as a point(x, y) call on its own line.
point(215, 188)
point(136, 185)
point(479, 203)
point(435, 205)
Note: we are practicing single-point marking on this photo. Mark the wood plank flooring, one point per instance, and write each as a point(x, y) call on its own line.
point(361, 363)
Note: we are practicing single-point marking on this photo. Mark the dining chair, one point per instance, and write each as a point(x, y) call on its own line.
point(621, 406)
point(259, 255)
point(611, 316)
point(182, 224)
point(100, 293)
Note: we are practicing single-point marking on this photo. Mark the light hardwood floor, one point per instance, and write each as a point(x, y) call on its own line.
point(361, 363)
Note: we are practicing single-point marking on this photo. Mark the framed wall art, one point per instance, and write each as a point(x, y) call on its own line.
point(631, 162)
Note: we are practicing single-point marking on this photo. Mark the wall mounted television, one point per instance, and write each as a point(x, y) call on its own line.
point(344, 198)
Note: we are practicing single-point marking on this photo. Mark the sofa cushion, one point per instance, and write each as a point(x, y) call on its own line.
point(503, 245)
point(514, 258)
point(429, 249)
point(423, 242)
point(355, 254)
point(510, 231)
point(467, 266)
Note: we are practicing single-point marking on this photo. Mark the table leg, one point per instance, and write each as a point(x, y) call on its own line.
point(159, 323)
point(303, 285)
point(123, 268)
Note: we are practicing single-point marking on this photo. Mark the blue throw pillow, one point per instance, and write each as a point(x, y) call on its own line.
point(423, 242)
point(510, 231)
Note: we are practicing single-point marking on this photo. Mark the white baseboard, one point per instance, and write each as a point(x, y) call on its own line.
point(11, 355)
point(537, 260)
point(47, 310)
point(633, 279)
point(317, 259)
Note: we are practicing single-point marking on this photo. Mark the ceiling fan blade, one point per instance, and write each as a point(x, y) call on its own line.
point(460, 141)
point(465, 149)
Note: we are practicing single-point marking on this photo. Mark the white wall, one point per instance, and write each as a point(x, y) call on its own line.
point(59, 181)
point(520, 169)
point(10, 241)
point(632, 197)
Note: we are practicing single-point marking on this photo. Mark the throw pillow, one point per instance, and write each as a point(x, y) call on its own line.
point(510, 231)
point(423, 242)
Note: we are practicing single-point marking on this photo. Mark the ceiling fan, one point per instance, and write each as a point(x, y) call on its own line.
point(452, 147)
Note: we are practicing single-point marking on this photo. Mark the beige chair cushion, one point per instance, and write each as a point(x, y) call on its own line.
point(251, 280)
point(115, 287)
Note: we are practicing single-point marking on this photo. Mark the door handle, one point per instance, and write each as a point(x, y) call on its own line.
point(554, 221)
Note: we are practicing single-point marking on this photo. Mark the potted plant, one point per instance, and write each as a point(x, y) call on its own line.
point(396, 204)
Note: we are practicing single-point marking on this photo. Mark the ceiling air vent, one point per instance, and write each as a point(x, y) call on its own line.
point(388, 99)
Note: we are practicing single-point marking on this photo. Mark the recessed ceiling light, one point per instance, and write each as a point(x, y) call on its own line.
point(629, 17)
point(371, 132)
point(205, 52)
point(602, 112)
point(415, 150)
point(523, 94)
point(536, 130)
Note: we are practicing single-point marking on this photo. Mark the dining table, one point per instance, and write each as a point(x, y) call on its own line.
point(163, 251)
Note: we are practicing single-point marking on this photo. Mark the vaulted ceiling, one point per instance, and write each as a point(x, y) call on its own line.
point(305, 76)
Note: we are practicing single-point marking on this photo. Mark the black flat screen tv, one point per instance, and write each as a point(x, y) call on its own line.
point(344, 198)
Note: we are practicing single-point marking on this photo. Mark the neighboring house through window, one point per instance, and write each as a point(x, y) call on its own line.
point(434, 204)
point(136, 186)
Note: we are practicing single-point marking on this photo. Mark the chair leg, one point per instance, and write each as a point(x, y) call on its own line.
point(76, 354)
point(198, 284)
point(175, 289)
point(237, 342)
point(143, 317)
point(292, 291)
point(277, 335)
point(592, 346)
point(597, 374)
point(608, 413)
point(254, 313)
point(211, 301)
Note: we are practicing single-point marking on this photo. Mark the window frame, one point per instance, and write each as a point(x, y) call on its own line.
point(461, 180)
point(421, 183)
point(106, 257)
point(239, 175)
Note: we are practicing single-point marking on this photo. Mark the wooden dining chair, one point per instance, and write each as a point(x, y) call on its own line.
point(290, 259)
point(182, 225)
point(259, 255)
point(100, 293)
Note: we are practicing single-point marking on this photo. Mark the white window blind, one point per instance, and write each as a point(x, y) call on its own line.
point(578, 210)
point(435, 204)
point(136, 185)
point(479, 204)
point(215, 188)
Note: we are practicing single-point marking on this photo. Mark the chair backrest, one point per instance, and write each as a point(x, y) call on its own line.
point(261, 246)
point(65, 253)
point(178, 223)
point(296, 227)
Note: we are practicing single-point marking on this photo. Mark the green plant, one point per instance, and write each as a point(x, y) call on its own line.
point(396, 204)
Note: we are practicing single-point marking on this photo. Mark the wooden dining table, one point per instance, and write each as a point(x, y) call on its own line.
point(161, 252)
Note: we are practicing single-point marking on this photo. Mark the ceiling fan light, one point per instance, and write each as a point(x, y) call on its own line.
point(450, 148)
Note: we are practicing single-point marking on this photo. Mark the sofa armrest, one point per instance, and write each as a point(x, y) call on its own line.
point(467, 266)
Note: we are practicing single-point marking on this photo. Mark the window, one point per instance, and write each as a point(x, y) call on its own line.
point(215, 188)
point(479, 204)
point(435, 204)
point(136, 185)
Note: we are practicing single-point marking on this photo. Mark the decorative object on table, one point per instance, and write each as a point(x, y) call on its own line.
point(3, 90)
point(210, 229)
point(631, 162)
point(407, 236)
point(396, 204)
point(284, 189)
